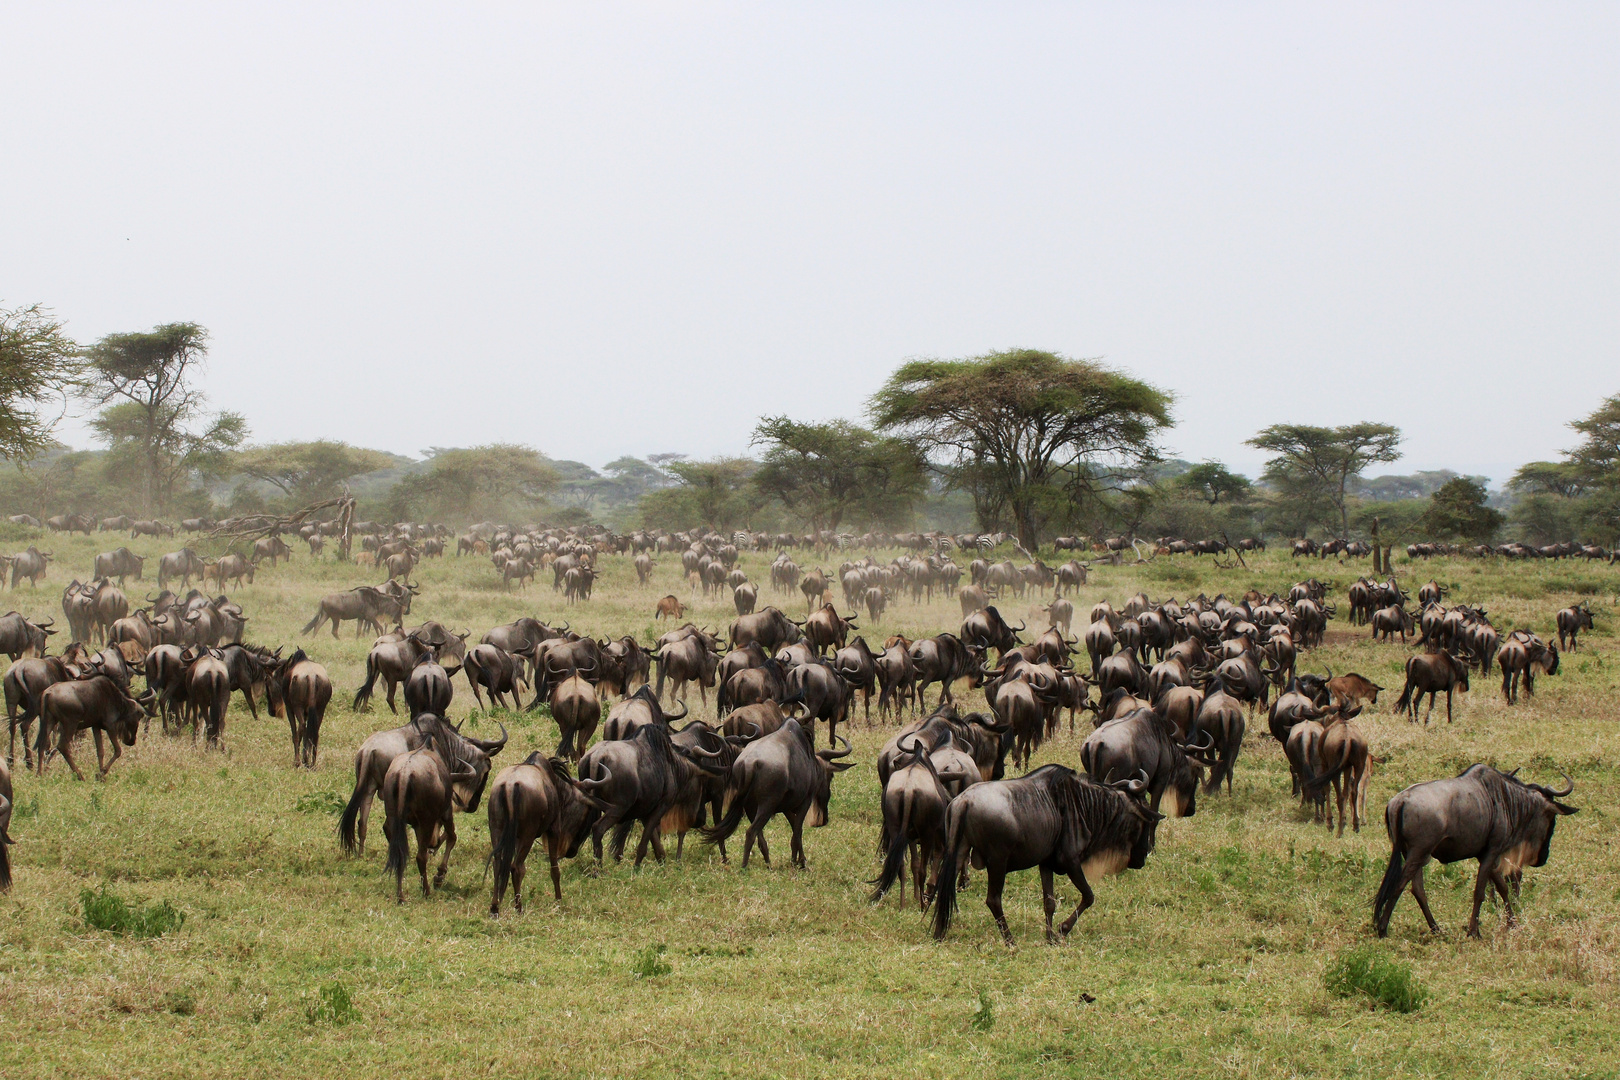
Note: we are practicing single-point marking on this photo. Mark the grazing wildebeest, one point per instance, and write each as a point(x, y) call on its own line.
point(670, 607)
point(25, 681)
point(529, 800)
point(366, 605)
point(770, 628)
point(98, 704)
point(1352, 689)
point(779, 773)
point(497, 671)
point(378, 752)
point(120, 563)
point(1053, 819)
point(1571, 621)
point(1430, 673)
point(1140, 744)
point(944, 659)
point(1481, 814)
point(648, 778)
point(21, 638)
point(298, 689)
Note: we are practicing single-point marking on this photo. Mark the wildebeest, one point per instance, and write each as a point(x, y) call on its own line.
point(497, 671)
point(986, 629)
point(1571, 621)
point(392, 658)
point(647, 778)
point(30, 564)
point(686, 660)
point(1343, 759)
point(1141, 744)
point(366, 605)
point(378, 752)
point(1430, 673)
point(1523, 656)
point(914, 804)
point(779, 773)
point(25, 681)
point(1053, 819)
point(1352, 689)
point(97, 704)
point(575, 707)
point(770, 628)
point(671, 607)
point(119, 563)
point(944, 659)
point(298, 689)
point(418, 794)
point(536, 798)
point(19, 637)
point(1481, 814)
point(896, 677)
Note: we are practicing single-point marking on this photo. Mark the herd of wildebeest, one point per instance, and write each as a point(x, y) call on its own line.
point(1167, 687)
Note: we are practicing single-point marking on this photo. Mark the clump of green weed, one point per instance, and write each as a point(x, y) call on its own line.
point(332, 1005)
point(650, 963)
point(985, 1018)
point(1388, 982)
point(180, 1002)
point(319, 802)
point(106, 910)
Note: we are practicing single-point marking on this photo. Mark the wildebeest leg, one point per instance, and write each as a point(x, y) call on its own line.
point(1421, 895)
point(641, 848)
point(797, 822)
point(554, 854)
point(391, 686)
point(1430, 713)
point(996, 881)
point(1500, 881)
point(64, 746)
point(599, 830)
point(919, 859)
point(1048, 902)
point(424, 837)
point(1078, 877)
point(449, 846)
point(1448, 704)
point(1481, 881)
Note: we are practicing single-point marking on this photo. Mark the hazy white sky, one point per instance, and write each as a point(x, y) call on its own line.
point(604, 228)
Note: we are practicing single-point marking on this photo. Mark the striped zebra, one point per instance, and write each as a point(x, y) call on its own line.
point(742, 539)
point(845, 541)
point(986, 541)
point(943, 544)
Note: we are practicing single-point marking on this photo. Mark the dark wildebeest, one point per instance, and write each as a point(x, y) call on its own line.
point(367, 605)
point(576, 708)
point(392, 658)
point(529, 800)
point(683, 661)
point(98, 704)
point(1221, 715)
point(1342, 755)
point(826, 629)
point(914, 802)
point(1521, 657)
point(232, 567)
point(944, 659)
point(418, 794)
point(298, 689)
point(648, 779)
point(19, 637)
point(897, 678)
point(497, 671)
point(120, 563)
point(25, 681)
point(857, 665)
point(780, 773)
point(1140, 744)
point(378, 752)
point(769, 628)
point(1481, 814)
point(985, 629)
point(1571, 621)
point(1053, 819)
point(1430, 673)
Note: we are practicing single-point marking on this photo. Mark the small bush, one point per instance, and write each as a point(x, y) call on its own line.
point(650, 963)
point(985, 1018)
point(319, 802)
point(1364, 970)
point(106, 910)
point(332, 1006)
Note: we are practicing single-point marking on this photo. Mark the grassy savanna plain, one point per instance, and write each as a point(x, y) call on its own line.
point(1209, 962)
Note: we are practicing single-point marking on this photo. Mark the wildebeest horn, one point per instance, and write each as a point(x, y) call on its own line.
point(1132, 785)
point(684, 710)
point(700, 752)
point(490, 746)
point(828, 755)
point(742, 740)
point(1569, 786)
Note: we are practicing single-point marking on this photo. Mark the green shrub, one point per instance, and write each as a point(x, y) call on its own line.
point(106, 910)
point(650, 962)
point(985, 1018)
point(180, 1002)
point(1364, 970)
point(319, 802)
point(332, 1006)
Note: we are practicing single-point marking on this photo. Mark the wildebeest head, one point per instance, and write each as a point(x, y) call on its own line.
point(829, 766)
point(1551, 812)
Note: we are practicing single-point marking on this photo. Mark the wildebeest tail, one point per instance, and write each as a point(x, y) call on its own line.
point(399, 850)
point(503, 848)
point(722, 829)
point(894, 861)
point(1406, 691)
point(1316, 783)
point(945, 894)
point(348, 823)
point(315, 623)
point(363, 695)
point(1389, 891)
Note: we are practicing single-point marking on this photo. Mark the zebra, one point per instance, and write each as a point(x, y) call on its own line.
point(986, 542)
point(845, 541)
point(741, 539)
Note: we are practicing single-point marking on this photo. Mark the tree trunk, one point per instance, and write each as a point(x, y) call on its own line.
point(1377, 552)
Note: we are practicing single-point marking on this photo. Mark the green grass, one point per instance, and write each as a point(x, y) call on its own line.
point(1366, 971)
point(1209, 962)
point(106, 910)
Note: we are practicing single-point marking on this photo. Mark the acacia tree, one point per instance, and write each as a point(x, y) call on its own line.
point(1458, 509)
point(462, 484)
point(144, 384)
point(1212, 482)
point(1583, 490)
point(719, 491)
point(1025, 431)
point(37, 362)
point(824, 473)
point(1320, 462)
point(308, 471)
